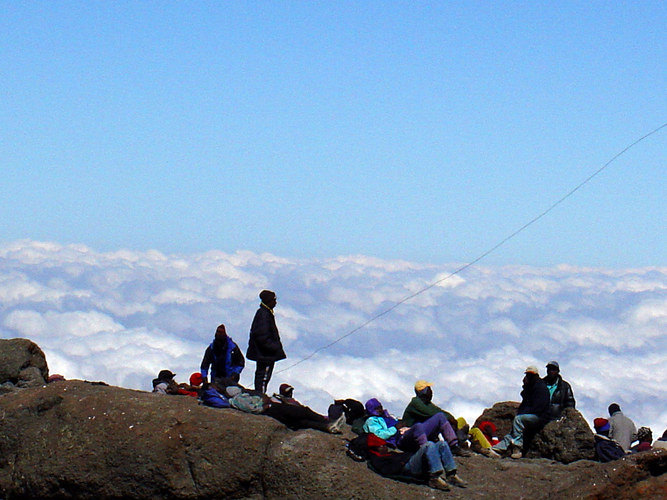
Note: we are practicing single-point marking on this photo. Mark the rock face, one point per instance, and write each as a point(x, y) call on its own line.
point(566, 440)
point(79, 440)
point(22, 364)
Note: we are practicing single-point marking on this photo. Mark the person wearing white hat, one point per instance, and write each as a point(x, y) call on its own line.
point(533, 413)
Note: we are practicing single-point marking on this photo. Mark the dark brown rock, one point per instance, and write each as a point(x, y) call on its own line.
point(17, 355)
point(501, 415)
point(566, 440)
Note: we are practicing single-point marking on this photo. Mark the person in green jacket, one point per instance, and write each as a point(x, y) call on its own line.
point(421, 408)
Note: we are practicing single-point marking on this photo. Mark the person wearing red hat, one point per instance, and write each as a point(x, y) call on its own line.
point(606, 449)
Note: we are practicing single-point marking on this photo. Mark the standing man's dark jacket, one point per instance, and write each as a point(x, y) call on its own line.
point(562, 398)
point(535, 400)
point(264, 343)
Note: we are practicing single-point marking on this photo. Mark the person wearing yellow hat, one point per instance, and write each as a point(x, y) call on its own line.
point(534, 413)
point(421, 408)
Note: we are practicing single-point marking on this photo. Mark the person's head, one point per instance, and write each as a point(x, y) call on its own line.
point(196, 379)
point(601, 426)
point(268, 298)
point(166, 375)
point(221, 333)
point(374, 407)
point(531, 375)
point(488, 428)
point(613, 408)
point(645, 435)
point(552, 371)
point(423, 390)
point(286, 390)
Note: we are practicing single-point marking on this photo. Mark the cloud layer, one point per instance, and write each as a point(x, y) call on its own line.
point(122, 316)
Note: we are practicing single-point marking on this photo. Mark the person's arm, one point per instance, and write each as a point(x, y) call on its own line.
point(568, 400)
point(206, 362)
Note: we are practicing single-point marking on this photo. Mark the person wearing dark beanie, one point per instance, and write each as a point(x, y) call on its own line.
point(622, 429)
point(264, 346)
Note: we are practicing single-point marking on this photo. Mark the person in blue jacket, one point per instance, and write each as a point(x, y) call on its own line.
point(225, 360)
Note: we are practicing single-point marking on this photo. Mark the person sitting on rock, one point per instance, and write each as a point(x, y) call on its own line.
point(661, 442)
point(645, 437)
point(224, 358)
point(533, 413)
point(421, 408)
point(622, 429)
point(560, 392)
point(606, 449)
point(165, 383)
point(483, 438)
point(438, 455)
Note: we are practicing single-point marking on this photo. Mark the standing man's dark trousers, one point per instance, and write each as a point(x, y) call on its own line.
point(263, 374)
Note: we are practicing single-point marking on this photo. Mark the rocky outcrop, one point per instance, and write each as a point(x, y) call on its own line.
point(22, 364)
point(565, 440)
point(75, 439)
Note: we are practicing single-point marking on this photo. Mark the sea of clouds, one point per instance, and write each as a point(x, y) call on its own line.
point(121, 317)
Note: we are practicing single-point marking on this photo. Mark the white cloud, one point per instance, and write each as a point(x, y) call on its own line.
point(122, 316)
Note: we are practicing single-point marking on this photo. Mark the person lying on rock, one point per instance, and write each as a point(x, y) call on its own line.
point(422, 457)
point(606, 449)
point(165, 383)
point(421, 408)
point(294, 416)
point(560, 392)
point(533, 413)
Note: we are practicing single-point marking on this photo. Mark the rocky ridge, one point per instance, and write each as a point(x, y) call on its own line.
point(87, 440)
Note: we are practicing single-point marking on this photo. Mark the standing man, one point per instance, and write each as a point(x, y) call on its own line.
point(560, 391)
point(622, 429)
point(533, 413)
point(264, 346)
point(224, 358)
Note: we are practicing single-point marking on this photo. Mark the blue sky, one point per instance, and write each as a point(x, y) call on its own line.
point(400, 130)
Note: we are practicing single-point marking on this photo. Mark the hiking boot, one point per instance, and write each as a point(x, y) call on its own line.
point(516, 453)
point(455, 480)
point(438, 483)
point(490, 452)
point(335, 426)
point(460, 452)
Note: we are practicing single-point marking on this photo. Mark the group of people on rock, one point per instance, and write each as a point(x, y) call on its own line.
point(424, 442)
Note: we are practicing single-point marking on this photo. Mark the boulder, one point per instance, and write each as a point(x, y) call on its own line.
point(564, 440)
point(501, 414)
point(18, 355)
